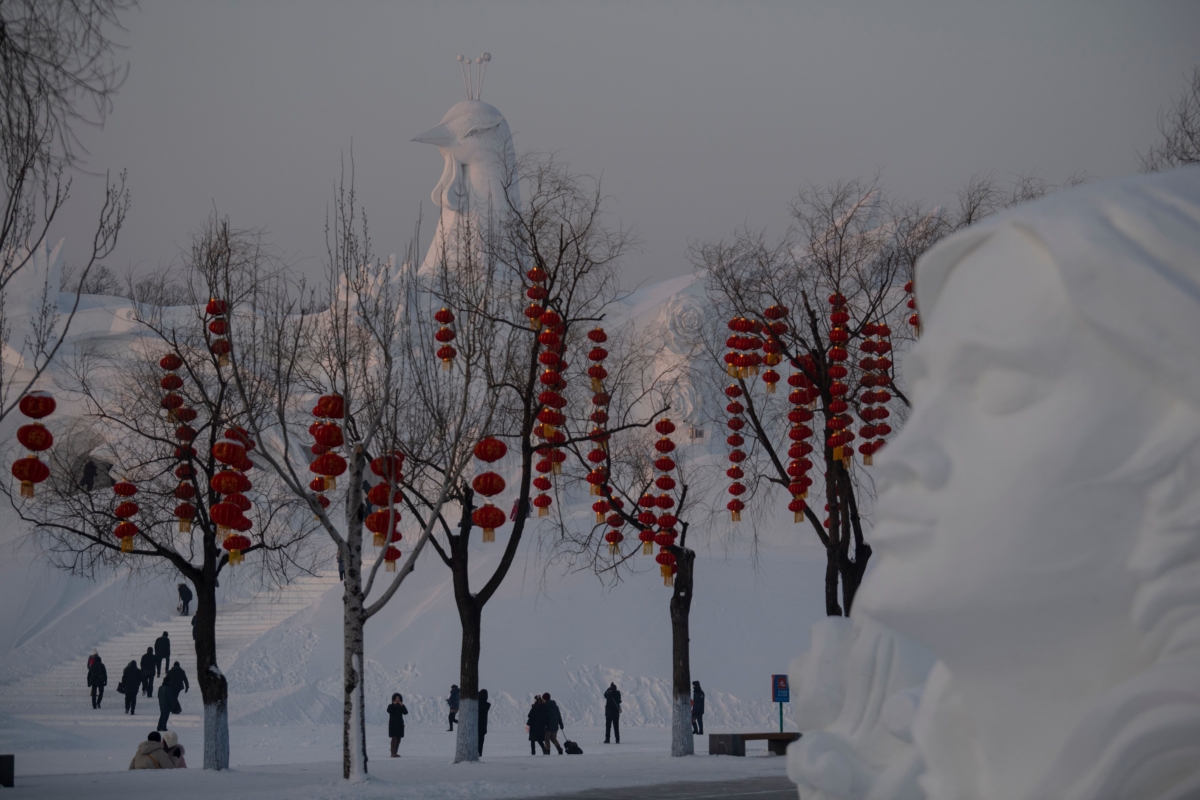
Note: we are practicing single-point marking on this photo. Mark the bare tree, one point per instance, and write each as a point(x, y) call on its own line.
point(55, 57)
point(171, 442)
point(1179, 129)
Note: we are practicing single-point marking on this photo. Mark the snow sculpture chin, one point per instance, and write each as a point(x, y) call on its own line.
point(1038, 526)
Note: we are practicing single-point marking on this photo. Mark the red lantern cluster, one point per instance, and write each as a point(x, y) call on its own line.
point(230, 513)
point(838, 421)
point(802, 397)
point(180, 414)
point(126, 508)
point(31, 470)
point(743, 357)
point(876, 366)
point(735, 440)
point(327, 435)
point(773, 347)
point(537, 294)
point(385, 522)
point(664, 464)
point(218, 327)
point(915, 318)
point(489, 484)
point(598, 456)
point(444, 336)
point(550, 418)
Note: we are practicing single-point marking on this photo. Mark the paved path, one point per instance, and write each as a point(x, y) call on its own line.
point(775, 788)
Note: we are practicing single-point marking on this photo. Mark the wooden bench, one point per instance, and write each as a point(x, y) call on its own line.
point(734, 744)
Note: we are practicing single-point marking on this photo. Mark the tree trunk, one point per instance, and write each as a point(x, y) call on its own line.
point(354, 732)
point(214, 690)
point(467, 745)
point(832, 609)
point(681, 666)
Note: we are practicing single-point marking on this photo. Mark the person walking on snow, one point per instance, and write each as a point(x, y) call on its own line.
point(396, 712)
point(168, 694)
point(148, 672)
point(97, 678)
point(612, 712)
point(697, 709)
point(452, 701)
point(130, 685)
point(536, 725)
point(484, 707)
point(162, 652)
point(185, 599)
point(554, 722)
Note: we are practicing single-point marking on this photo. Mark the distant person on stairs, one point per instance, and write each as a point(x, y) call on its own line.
point(452, 701)
point(697, 709)
point(148, 672)
point(554, 723)
point(168, 695)
point(396, 712)
point(152, 755)
point(130, 685)
point(97, 678)
point(162, 652)
point(484, 707)
point(612, 712)
point(185, 599)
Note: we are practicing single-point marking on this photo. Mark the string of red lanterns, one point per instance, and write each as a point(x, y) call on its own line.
point(444, 336)
point(327, 434)
point(915, 318)
point(126, 508)
point(218, 326)
point(803, 396)
point(384, 522)
point(875, 375)
point(230, 513)
point(735, 440)
point(550, 417)
point(772, 347)
point(665, 464)
point(840, 422)
point(597, 477)
point(743, 359)
point(489, 484)
point(537, 295)
point(34, 436)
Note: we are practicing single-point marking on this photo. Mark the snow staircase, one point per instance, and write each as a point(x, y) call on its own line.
point(63, 690)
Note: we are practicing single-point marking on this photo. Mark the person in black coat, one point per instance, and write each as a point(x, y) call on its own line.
point(396, 712)
point(168, 694)
point(554, 722)
point(185, 598)
point(452, 701)
point(97, 678)
point(484, 707)
point(612, 712)
point(131, 684)
point(162, 652)
point(536, 725)
point(697, 708)
point(148, 672)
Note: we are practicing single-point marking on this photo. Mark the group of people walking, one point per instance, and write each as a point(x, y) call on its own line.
point(138, 679)
point(544, 722)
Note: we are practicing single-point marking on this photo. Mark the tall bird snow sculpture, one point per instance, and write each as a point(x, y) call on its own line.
point(478, 187)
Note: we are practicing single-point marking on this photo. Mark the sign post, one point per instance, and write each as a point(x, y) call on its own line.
point(780, 694)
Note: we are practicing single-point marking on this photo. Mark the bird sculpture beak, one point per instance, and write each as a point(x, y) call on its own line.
point(440, 136)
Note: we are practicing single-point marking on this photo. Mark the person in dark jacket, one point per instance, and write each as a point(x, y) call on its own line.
point(612, 712)
point(131, 684)
point(185, 599)
point(168, 694)
point(89, 476)
point(536, 725)
point(162, 652)
point(484, 707)
point(97, 678)
point(697, 709)
point(396, 712)
point(148, 672)
point(194, 618)
point(554, 723)
point(452, 701)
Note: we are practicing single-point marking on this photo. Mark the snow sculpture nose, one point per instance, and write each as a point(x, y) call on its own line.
point(440, 135)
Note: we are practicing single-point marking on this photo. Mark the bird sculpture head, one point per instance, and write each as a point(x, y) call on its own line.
point(476, 144)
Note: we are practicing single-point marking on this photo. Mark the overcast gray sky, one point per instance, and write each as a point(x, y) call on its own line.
point(700, 116)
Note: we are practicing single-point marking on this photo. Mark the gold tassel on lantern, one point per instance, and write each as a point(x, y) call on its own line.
point(185, 525)
point(389, 566)
point(548, 430)
point(26, 488)
point(647, 548)
point(127, 544)
point(599, 518)
point(597, 385)
point(668, 578)
point(380, 539)
point(446, 362)
point(543, 512)
point(330, 482)
point(735, 516)
point(235, 557)
point(868, 461)
point(770, 388)
point(556, 469)
point(595, 492)
point(223, 361)
point(613, 548)
point(223, 530)
point(837, 453)
point(489, 534)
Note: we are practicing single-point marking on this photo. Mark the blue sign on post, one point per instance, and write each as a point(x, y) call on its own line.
point(781, 694)
point(779, 686)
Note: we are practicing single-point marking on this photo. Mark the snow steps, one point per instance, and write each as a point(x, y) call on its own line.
point(64, 688)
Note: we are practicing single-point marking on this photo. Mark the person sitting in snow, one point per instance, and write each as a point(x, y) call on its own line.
point(174, 749)
point(152, 755)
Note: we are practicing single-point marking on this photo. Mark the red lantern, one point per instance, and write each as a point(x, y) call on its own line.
point(597, 354)
point(490, 449)
point(215, 307)
point(330, 465)
point(184, 471)
point(488, 484)
point(236, 544)
point(220, 348)
point(536, 274)
point(185, 491)
point(185, 433)
point(217, 327)
point(488, 518)
point(125, 510)
point(735, 507)
point(170, 362)
point(665, 427)
point(614, 539)
point(389, 466)
point(541, 482)
point(551, 318)
point(666, 562)
point(542, 503)
point(185, 512)
point(37, 405)
point(534, 313)
point(598, 335)
point(381, 493)
point(332, 406)
point(329, 435)
point(124, 489)
point(171, 382)
point(770, 377)
point(185, 415)
point(601, 507)
point(225, 515)
point(125, 531)
point(775, 312)
point(35, 437)
point(228, 452)
point(240, 500)
point(444, 317)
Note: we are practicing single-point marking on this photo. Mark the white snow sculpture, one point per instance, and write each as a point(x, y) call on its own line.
point(477, 187)
point(856, 690)
point(31, 289)
point(1038, 526)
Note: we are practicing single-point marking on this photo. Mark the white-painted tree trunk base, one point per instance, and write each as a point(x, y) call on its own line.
point(216, 736)
point(358, 744)
point(466, 747)
point(681, 727)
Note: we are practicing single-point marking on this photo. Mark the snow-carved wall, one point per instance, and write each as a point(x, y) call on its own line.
point(1038, 524)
